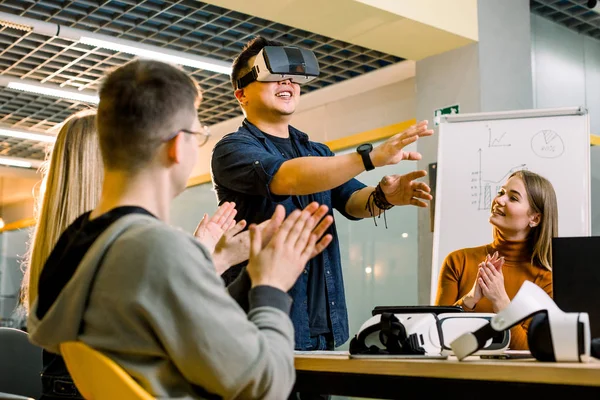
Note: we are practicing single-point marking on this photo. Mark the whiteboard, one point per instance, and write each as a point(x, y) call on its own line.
point(477, 153)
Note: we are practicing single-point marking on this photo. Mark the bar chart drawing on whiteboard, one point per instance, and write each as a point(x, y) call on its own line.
point(483, 190)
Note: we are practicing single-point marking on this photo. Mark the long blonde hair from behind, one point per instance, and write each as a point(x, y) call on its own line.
point(542, 200)
point(71, 184)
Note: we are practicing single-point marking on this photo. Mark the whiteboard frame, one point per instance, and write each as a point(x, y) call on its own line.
point(534, 113)
point(485, 116)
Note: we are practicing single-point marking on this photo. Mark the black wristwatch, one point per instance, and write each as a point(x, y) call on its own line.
point(365, 150)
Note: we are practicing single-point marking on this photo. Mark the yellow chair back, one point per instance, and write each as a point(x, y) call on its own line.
point(97, 377)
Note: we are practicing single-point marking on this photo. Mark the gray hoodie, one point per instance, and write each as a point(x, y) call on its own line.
point(156, 306)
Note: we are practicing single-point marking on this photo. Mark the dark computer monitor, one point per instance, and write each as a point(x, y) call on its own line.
point(576, 277)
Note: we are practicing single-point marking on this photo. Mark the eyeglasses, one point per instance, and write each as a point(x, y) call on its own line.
point(202, 137)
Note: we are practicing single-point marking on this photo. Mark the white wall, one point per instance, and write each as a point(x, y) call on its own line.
point(504, 55)
point(361, 112)
point(566, 69)
point(566, 72)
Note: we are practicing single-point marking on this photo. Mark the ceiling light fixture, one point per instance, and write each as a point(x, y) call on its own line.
point(20, 162)
point(46, 89)
point(53, 92)
point(155, 55)
point(39, 137)
point(116, 44)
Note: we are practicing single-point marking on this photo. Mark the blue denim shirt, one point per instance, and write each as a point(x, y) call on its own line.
point(243, 165)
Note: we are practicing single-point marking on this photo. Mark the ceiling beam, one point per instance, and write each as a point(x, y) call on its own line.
point(411, 29)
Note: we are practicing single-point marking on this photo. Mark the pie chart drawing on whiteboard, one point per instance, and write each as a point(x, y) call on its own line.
point(547, 144)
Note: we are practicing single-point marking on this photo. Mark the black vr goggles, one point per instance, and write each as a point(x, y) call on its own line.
point(278, 63)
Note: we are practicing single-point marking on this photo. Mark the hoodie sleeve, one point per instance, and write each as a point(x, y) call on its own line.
point(240, 288)
point(205, 333)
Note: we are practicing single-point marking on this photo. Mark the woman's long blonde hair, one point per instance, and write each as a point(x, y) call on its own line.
point(71, 184)
point(542, 200)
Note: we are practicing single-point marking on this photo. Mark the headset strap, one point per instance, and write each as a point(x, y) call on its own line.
point(247, 79)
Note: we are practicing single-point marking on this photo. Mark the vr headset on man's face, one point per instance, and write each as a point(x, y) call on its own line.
point(278, 63)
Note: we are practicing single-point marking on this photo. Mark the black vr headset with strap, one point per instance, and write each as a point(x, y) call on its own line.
point(278, 63)
point(421, 331)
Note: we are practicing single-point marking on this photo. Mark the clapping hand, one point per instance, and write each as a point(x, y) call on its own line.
point(476, 293)
point(211, 229)
point(491, 281)
point(297, 239)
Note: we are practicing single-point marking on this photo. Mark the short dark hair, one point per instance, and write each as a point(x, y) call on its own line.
point(141, 103)
point(240, 65)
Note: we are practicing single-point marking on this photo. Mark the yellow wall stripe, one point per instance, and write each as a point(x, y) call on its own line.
point(199, 180)
point(369, 136)
point(22, 223)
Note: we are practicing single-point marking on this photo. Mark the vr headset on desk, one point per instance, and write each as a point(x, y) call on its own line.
point(553, 334)
point(278, 63)
point(421, 330)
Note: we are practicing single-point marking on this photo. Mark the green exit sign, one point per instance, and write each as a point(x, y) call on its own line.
point(437, 114)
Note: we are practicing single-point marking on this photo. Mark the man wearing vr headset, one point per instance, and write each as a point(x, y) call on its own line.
point(268, 162)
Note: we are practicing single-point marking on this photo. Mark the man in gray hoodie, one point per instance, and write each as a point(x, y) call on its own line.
point(147, 295)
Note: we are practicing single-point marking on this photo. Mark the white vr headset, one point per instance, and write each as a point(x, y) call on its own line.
point(278, 63)
point(553, 335)
point(424, 333)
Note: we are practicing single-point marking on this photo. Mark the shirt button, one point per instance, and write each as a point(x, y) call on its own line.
point(256, 162)
point(306, 271)
point(328, 272)
point(333, 303)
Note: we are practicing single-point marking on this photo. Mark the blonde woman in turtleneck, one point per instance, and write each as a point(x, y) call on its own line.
point(484, 279)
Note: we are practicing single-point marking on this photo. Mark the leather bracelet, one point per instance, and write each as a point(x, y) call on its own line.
point(380, 200)
point(377, 199)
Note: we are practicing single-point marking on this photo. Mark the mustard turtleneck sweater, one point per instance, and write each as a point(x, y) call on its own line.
point(459, 271)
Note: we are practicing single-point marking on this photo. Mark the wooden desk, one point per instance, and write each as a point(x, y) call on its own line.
point(448, 378)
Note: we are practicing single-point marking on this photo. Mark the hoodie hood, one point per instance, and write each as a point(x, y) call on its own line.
point(63, 319)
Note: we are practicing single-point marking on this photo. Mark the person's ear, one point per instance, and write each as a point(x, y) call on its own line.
point(535, 219)
point(175, 148)
point(240, 95)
